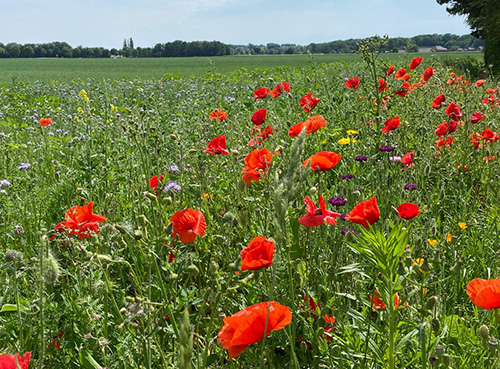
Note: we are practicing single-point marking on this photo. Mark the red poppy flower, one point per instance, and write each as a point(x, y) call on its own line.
point(313, 124)
point(308, 102)
point(390, 125)
point(476, 139)
point(15, 361)
point(442, 142)
point(404, 90)
point(154, 182)
point(407, 160)
point(446, 128)
point(312, 304)
point(408, 210)
point(489, 135)
point(329, 327)
point(261, 93)
point(491, 91)
point(390, 70)
point(382, 85)
point(316, 217)
point(480, 82)
point(56, 344)
point(260, 136)
point(81, 221)
point(258, 254)
point(256, 163)
point(44, 122)
point(406, 77)
point(323, 160)
point(415, 62)
point(454, 111)
point(259, 117)
point(378, 304)
point(484, 293)
point(476, 117)
point(217, 146)
point(428, 73)
point(400, 73)
point(218, 114)
point(280, 87)
point(438, 101)
point(187, 224)
point(365, 213)
point(352, 83)
point(248, 326)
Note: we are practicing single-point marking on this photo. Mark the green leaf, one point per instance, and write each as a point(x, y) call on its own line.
point(88, 361)
point(9, 307)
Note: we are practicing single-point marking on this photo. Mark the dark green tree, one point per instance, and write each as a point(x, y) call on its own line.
point(483, 17)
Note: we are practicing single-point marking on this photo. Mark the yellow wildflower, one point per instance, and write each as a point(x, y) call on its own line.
point(448, 237)
point(352, 132)
point(462, 225)
point(80, 111)
point(346, 141)
point(431, 241)
point(207, 196)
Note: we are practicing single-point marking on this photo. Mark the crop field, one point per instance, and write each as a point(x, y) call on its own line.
point(323, 214)
point(65, 70)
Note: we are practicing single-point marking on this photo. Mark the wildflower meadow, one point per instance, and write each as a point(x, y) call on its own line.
point(341, 215)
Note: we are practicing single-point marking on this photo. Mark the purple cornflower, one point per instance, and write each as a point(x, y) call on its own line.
point(172, 186)
point(173, 168)
point(23, 166)
point(4, 183)
point(346, 230)
point(348, 176)
point(361, 158)
point(342, 216)
point(337, 201)
point(410, 187)
point(386, 148)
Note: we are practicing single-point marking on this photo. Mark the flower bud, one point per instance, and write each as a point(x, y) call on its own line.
point(173, 137)
point(484, 332)
point(431, 303)
point(193, 270)
point(79, 191)
point(458, 266)
point(436, 326)
point(313, 190)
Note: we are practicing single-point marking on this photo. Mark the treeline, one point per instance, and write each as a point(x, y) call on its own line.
point(64, 50)
point(215, 48)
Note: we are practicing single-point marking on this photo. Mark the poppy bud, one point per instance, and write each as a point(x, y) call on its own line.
point(57, 174)
point(214, 268)
point(143, 219)
point(12, 256)
point(171, 276)
point(431, 303)
point(79, 191)
point(436, 326)
point(458, 266)
point(192, 151)
point(240, 185)
point(234, 152)
point(120, 228)
point(173, 137)
point(229, 218)
point(193, 270)
point(313, 190)
point(167, 200)
point(51, 270)
point(493, 344)
point(484, 332)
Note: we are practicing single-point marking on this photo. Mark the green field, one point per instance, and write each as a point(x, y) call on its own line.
point(64, 70)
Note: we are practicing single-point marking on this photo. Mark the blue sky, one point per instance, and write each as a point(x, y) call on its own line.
point(107, 22)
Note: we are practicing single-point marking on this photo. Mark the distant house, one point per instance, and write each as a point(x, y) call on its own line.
point(429, 49)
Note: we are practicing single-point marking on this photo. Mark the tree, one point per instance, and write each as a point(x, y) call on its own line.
point(131, 43)
point(483, 16)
